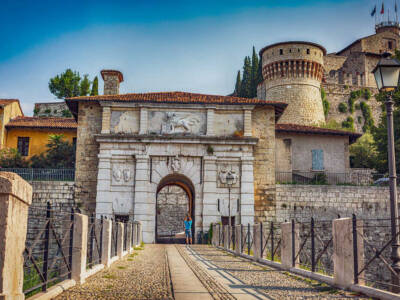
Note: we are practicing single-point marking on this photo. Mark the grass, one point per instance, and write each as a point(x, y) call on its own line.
point(121, 267)
point(109, 276)
point(133, 254)
point(138, 248)
point(320, 286)
point(129, 259)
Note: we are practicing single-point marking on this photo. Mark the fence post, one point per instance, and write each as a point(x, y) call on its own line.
point(46, 248)
point(15, 198)
point(256, 241)
point(290, 240)
point(106, 242)
point(312, 246)
point(91, 237)
point(140, 234)
point(79, 242)
point(238, 239)
point(272, 240)
point(120, 239)
point(248, 238)
point(348, 253)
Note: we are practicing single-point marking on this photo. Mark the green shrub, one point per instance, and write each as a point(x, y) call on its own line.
point(351, 104)
point(325, 103)
point(320, 179)
point(36, 111)
point(11, 158)
point(342, 107)
point(47, 111)
point(359, 119)
point(66, 113)
point(367, 94)
point(357, 106)
point(369, 121)
point(349, 123)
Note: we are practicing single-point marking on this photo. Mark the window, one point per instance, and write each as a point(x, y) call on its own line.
point(281, 51)
point(390, 45)
point(23, 146)
point(317, 159)
point(308, 51)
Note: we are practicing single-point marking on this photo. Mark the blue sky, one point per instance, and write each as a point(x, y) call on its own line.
point(184, 45)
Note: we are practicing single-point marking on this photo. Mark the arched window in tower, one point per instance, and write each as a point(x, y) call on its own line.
point(281, 51)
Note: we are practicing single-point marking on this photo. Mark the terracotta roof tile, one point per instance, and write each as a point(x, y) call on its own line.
point(177, 97)
point(39, 122)
point(316, 130)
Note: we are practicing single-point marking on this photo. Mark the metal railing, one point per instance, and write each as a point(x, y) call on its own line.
point(31, 174)
point(94, 247)
point(328, 178)
point(271, 241)
point(48, 249)
point(376, 253)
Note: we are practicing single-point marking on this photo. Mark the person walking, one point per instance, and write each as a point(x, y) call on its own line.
point(188, 229)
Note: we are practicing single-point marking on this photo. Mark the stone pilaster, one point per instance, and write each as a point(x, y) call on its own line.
point(15, 198)
point(210, 196)
point(120, 239)
point(104, 201)
point(247, 123)
point(143, 120)
point(246, 212)
point(78, 269)
point(106, 120)
point(210, 122)
point(144, 206)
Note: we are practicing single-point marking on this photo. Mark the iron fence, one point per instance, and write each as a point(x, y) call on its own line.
point(315, 249)
point(329, 178)
point(376, 237)
point(31, 174)
point(247, 238)
point(48, 248)
point(270, 241)
point(114, 238)
point(94, 240)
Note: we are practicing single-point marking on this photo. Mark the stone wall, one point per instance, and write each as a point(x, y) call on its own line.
point(340, 93)
point(89, 124)
point(60, 193)
point(326, 202)
point(172, 207)
point(52, 109)
point(263, 121)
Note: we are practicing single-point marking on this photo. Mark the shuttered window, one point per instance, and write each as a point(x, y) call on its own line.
point(23, 146)
point(317, 159)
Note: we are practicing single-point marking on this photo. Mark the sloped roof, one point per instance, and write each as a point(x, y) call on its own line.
point(40, 122)
point(4, 102)
point(176, 98)
point(294, 128)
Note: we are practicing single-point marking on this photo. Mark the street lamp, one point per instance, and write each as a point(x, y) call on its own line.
point(386, 75)
point(230, 180)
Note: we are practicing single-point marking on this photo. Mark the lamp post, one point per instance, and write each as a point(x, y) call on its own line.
point(387, 78)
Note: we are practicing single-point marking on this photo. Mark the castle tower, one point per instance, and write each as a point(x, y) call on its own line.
point(292, 73)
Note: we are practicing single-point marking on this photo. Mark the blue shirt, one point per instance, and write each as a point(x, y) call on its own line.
point(188, 224)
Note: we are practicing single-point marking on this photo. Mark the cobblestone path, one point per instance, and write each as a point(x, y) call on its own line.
point(143, 275)
point(262, 282)
point(197, 272)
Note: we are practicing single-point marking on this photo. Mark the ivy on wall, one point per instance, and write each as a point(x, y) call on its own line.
point(325, 103)
point(349, 123)
point(368, 121)
point(342, 107)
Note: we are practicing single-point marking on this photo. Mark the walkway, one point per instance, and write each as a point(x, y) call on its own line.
point(196, 272)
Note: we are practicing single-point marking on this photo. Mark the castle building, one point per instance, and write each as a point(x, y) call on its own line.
point(9, 109)
point(131, 147)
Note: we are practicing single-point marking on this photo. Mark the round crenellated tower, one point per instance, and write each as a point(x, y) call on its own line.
point(292, 73)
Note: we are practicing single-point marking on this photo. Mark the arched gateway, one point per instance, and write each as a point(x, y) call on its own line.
point(175, 199)
point(132, 146)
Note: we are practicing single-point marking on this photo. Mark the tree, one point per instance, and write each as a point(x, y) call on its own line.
point(95, 87)
point(363, 153)
point(65, 85)
point(254, 73)
point(11, 158)
point(237, 85)
point(84, 87)
point(59, 154)
point(245, 89)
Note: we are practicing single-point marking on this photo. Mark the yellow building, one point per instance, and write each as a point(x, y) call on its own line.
point(31, 134)
point(9, 109)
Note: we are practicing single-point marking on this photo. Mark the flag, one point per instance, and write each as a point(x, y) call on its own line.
point(373, 11)
point(382, 9)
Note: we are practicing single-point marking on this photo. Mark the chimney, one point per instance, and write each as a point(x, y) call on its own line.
point(112, 79)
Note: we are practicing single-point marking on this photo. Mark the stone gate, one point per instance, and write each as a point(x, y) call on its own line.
point(131, 146)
